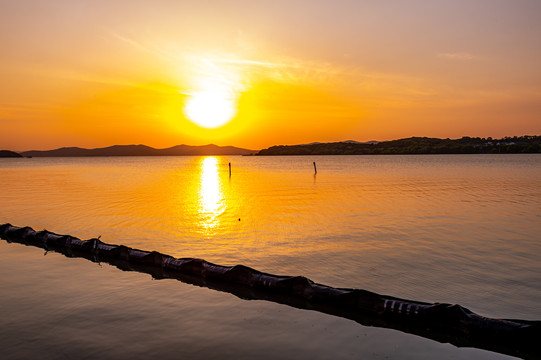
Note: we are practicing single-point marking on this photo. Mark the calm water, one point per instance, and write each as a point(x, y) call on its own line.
point(457, 229)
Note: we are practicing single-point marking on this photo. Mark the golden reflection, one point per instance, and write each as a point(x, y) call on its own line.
point(211, 198)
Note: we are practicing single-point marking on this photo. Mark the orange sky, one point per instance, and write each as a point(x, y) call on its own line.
point(93, 74)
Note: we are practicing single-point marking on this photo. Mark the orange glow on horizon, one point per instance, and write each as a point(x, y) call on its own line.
point(236, 75)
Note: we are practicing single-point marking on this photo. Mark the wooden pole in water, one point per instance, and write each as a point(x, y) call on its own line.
point(229, 169)
point(315, 169)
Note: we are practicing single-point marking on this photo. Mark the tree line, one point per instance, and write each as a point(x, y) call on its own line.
point(415, 145)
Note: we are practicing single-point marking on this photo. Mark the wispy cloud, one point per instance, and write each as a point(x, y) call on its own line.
point(279, 68)
point(248, 62)
point(242, 69)
point(144, 48)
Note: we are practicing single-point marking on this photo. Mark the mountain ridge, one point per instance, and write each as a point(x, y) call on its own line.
point(9, 154)
point(412, 145)
point(140, 150)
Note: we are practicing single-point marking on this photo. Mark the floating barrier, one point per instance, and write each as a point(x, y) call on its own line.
point(449, 323)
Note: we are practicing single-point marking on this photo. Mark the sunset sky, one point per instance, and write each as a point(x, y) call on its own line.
point(97, 73)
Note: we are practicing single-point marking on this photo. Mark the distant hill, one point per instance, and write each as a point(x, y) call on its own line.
point(7, 153)
point(345, 142)
point(141, 150)
point(414, 145)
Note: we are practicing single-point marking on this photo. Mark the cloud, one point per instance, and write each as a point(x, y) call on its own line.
point(244, 68)
point(279, 68)
point(142, 47)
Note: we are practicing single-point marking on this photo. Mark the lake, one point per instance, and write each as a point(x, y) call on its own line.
point(437, 228)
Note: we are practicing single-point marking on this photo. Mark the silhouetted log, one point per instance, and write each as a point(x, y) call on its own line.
point(442, 322)
point(120, 252)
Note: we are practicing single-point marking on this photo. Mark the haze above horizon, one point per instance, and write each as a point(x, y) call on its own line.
point(257, 74)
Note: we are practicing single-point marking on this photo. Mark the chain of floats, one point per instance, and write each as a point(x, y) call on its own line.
point(442, 316)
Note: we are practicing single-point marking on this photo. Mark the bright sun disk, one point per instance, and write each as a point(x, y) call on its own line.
point(210, 108)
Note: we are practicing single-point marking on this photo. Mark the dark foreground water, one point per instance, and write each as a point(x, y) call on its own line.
point(457, 229)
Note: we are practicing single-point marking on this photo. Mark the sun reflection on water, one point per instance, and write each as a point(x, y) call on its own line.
point(211, 197)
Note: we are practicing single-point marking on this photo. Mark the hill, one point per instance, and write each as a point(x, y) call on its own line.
point(141, 150)
point(414, 145)
point(7, 153)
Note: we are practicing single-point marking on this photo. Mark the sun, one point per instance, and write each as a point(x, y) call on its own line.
point(213, 90)
point(211, 108)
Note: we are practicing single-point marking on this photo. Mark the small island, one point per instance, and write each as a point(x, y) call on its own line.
point(414, 146)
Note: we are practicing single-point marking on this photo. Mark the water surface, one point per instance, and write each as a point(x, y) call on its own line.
point(451, 228)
